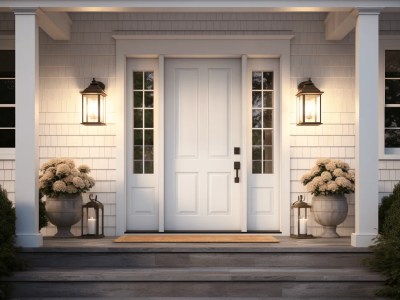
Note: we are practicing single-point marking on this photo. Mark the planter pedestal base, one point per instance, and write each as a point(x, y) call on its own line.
point(329, 232)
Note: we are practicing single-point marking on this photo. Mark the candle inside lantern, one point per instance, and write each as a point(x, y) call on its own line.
point(91, 225)
point(303, 226)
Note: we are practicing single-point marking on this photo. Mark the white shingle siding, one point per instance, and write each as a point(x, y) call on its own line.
point(67, 68)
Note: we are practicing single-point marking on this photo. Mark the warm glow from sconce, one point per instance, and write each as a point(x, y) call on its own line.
point(92, 109)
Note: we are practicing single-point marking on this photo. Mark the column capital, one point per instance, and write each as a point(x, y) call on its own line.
point(368, 10)
point(24, 10)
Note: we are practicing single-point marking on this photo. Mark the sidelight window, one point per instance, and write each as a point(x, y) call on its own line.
point(7, 99)
point(392, 99)
point(143, 122)
point(262, 122)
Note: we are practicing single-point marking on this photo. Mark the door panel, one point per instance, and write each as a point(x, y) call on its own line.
point(202, 107)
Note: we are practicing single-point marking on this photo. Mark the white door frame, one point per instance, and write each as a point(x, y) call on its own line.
point(260, 46)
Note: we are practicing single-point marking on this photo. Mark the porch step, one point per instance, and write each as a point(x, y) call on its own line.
point(292, 269)
point(196, 282)
point(154, 260)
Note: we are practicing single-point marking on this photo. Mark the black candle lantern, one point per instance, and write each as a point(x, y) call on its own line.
point(308, 104)
point(299, 219)
point(92, 225)
point(94, 104)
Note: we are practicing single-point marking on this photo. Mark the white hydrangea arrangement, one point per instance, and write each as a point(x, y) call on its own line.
point(59, 176)
point(329, 177)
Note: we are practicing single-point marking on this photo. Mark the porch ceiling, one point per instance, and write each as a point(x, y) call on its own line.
point(200, 5)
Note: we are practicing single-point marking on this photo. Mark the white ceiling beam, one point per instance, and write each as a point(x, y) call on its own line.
point(199, 5)
point(339, 24)
point(56, 24)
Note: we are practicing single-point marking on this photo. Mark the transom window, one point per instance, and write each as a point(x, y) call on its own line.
point(143, 122)
point(7, 99)
point(262, 122)
point(392, 98)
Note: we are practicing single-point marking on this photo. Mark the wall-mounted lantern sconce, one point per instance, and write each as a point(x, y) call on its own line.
point(308, 104)
point(94, 104)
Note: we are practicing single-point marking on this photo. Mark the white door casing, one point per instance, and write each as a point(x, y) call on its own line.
point(138, 47)
point(203, 125)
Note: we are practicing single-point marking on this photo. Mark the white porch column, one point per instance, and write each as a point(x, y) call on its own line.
point(26, 139)
point(366, 102)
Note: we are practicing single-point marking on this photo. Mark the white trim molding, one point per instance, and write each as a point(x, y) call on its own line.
point(201, 5)
point(260, 46)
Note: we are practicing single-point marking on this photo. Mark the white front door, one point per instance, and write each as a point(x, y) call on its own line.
point(202, 128)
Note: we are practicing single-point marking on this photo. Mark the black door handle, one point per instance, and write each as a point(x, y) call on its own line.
point(236, 166)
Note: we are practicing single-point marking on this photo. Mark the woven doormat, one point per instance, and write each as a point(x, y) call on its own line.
point(196, 238)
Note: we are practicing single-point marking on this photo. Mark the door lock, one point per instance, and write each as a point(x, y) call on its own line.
point(236, 166)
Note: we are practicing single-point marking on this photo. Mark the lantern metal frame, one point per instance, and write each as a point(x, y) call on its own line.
point(99, 212)
point(96, 88)
point(299, 205)
point(307, 88)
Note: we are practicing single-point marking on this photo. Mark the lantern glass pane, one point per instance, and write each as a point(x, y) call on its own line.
point(102, 109)
point(91, 108)
point(311, 108)
point(299, 108)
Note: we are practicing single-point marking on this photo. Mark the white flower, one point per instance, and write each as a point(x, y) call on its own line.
point(329, 176)
point(71, 189)
point(59, 176)
point(322, 161)
point(326, 176)
point(330, 166)
point(63, 169)
point(84, 169)
point(78, 182)
point(338, 172)
point(332, 186)
point(306, 177)
point(315, 171)
point(59, 186)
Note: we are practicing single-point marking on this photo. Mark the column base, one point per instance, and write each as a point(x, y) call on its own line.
point(362, 240)
point(29, 240)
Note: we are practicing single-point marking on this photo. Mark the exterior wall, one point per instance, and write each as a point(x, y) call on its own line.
point(67, 68)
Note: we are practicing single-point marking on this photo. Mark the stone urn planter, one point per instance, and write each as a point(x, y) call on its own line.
point(329, 211)
point(64, 211)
